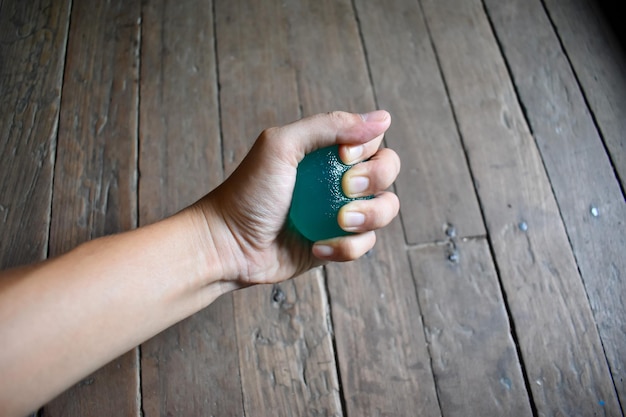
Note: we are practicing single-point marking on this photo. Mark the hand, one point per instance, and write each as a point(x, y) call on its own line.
point(247, 214)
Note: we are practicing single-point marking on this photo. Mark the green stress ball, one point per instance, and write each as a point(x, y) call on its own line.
point(318, 195)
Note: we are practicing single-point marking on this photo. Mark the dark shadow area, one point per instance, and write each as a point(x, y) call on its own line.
point(615, 13)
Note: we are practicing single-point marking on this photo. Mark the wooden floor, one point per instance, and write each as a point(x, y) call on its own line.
point(500, 290)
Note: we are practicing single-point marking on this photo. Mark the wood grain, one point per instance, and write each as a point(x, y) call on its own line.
point(192, 367)
point(32, 58)
point(277, 61)
point(383, 356)
point(285, 347)
point(286, 362)
point(559, 342)
point(435, 185)
point(180, 141)
point(96, 173)
point(257, 76)
point(383, 361)
point(474, 359)
point(331, 69)
point(599, 61)
point(581, 175)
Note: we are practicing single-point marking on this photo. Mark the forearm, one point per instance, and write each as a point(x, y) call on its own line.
point(98, 301)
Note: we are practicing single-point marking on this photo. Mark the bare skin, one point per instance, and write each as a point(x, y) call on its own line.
point(64, 318)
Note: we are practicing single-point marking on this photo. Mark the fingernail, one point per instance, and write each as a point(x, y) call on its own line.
point(357, 185)
point(354, 153)
point(375, 116)
point(322, 251)
point(353, 219)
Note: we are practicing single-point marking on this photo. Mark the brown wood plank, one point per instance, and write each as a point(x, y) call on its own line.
point(599, 61)
point(285, 345)
point(474, 359)
point(583, 180)
point(248, 52)
point(383, 360)
point(286, 355)
point(32, 58)
point(435, 185)
point(339, 81)
point(559, 342)
point(383, 355)
point(384, 363)
point(95, 173)
point(191, 368)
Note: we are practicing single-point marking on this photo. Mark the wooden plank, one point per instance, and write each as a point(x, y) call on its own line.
point(384, 363)
point(247, 53)
point(383, 355)
point(340, 80)
point(583, 180)
point(435, 185)
point(599, 61)
point(32, 58)
point(191, 368)
point(287, 362)
point(474, 359)
point(95, 173)
point(286, 355)
point(559, 342)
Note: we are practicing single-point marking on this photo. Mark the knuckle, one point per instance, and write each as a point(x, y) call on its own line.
point(340, 117)
point(269, 134)
point(270, 138)
point(378, 215)
point(357, 245)
point(383, 211)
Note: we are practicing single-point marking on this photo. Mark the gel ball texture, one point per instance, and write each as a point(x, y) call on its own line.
point(318, 196)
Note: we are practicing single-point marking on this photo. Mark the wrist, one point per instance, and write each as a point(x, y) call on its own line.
point(213, 241)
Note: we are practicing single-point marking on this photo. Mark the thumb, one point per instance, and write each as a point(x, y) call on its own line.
point(335, 128)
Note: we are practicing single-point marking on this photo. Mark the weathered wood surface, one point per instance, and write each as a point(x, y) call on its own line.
point(95, 183)
point(373, 337)
point(383, 357)
point(559, 342)
point(435, 185)
point(383, 361)
point(599, 61)
point(584, 183)
point(474, 359)
point(331, 66)
point(32, 55)
point(285, 349)
point(180, 161)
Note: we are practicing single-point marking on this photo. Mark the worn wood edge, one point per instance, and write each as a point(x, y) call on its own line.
point(575, 159)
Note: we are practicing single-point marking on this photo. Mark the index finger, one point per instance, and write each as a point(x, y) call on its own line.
point(335, 128)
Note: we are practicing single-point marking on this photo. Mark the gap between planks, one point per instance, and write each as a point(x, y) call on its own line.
point(444, 242)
